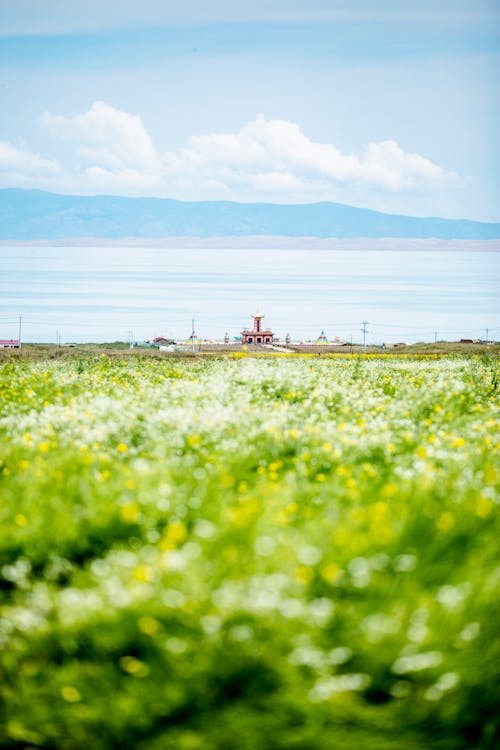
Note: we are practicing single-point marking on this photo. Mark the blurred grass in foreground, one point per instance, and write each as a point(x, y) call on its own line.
point(249, 554)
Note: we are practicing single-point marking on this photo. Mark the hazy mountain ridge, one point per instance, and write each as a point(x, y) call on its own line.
point(34, 214)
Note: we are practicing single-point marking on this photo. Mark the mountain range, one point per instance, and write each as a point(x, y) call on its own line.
point(38, 215)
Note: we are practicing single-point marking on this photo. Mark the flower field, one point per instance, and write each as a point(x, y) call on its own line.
point(249, 554)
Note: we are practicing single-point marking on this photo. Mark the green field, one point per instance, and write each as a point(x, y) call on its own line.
point(249, 554)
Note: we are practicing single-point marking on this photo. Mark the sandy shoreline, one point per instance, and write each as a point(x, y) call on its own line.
point(270, 242)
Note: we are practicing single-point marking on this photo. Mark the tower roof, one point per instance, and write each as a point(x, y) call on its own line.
point(257, 315)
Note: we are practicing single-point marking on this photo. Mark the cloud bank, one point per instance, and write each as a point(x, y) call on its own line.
point(265, 160)
point(271, 155)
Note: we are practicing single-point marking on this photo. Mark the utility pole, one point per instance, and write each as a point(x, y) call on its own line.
point(435, 337)
point(487, 334)
point(20, 326)
point(131, 339)
point(364, 323)
point(58, 339)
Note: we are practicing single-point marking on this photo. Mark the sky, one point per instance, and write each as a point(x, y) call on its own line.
point(391, 105)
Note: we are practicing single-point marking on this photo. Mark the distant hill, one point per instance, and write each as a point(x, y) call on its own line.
point(37, 215)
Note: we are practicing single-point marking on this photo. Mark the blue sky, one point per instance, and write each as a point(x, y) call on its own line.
point(391, 105)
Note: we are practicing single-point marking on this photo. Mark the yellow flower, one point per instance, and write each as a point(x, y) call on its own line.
point(242, 514)
point(331, 572)
point(380, 508)
point(142, 573)
point(369, 469)
point(304, 574)
point(122, 448)
point(227, 481)
point(70, 694)
point(484, 506)
point(445, 521)
point(133, 666)
point(176, 532)
point(389, 489)
point(129, 512)
point(148, 625)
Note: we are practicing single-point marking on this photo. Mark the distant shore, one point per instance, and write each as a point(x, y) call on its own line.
point(263, 242)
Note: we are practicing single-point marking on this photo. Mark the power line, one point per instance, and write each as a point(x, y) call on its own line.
point(181, 320)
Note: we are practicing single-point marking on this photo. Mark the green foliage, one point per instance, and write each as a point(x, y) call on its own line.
point(293, 554)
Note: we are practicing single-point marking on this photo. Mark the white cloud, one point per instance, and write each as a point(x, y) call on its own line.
point(278, 182)
point(20, 167)
point(14, 159)
point(276, 154)
point(113, 148)
point(265, 160)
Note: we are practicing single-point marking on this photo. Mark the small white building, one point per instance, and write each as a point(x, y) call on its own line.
point(10, 344)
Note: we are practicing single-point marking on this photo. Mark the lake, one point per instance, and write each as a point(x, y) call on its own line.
point(102, 293)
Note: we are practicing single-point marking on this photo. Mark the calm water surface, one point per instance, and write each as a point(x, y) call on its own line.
point(100, 294)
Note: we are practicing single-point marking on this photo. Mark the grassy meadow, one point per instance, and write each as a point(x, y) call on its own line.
point(249, 554)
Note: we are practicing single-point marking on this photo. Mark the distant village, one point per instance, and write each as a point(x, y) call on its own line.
point(257, 336)
point(265, 337)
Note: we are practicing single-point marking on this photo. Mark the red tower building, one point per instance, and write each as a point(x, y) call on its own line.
point(257, 335)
